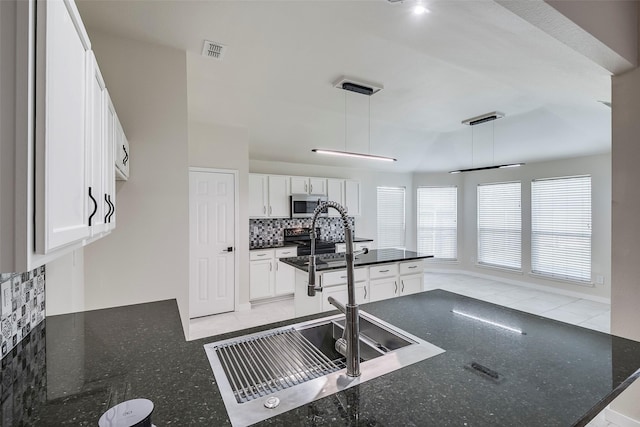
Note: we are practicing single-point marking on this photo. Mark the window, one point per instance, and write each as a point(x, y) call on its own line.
point(391, 221)
point(561, 227)
point(499, 225)
point(438, 222)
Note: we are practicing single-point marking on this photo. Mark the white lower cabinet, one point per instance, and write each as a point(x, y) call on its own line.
point(285, 274)
point(411, 284)
point(268, 277)
point(383, 288)
point(261, 279)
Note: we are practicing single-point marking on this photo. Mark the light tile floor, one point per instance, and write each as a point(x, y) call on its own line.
point(577, 311)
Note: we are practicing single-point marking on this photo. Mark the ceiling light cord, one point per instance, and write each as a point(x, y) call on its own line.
point(345, 121)
point(369, 125)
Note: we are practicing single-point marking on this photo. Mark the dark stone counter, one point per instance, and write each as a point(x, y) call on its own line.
point(552, 375)
point(337, 262)
point(272, 246)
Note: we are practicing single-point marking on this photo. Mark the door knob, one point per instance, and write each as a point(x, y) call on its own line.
point(229, 249)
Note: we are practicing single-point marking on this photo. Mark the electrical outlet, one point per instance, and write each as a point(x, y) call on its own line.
point(255, 229)
point(5, 295)
point(599, 279)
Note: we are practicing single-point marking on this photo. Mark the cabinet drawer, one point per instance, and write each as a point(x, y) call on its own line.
point(261, 254)
point(331, 278)
point(286, 252)
point(384, 270)
point(413, 267)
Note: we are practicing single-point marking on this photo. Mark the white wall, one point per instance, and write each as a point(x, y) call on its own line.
point(599, 167)
point(224, 147)
point(625, 235)
point(146, 257)
point(366, 224)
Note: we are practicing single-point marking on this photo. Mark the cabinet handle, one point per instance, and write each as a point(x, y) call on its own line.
point(270, 210)
point(305, 187)
point(113, 208)
point(276, 266)
point(413, 266)
point(343, 277)
point(264, 210)
point(310, 188)
point(95, 206)
point(402, 286)
point(384, 271)
point(395, 283)
point(365, 292)
point(270, 266)
point(106, 200)
point(261, 255)
point(126, 156)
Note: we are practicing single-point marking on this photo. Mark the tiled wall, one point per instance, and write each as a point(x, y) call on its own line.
point(22, 306)
point(270, 231)
point(23, 380)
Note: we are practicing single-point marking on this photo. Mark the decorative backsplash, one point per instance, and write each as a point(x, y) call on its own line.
point(270, 231)
point(23, 380)
point(22, 306)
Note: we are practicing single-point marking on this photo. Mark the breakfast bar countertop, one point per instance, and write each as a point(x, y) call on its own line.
point(337, 261)
point(73, 367)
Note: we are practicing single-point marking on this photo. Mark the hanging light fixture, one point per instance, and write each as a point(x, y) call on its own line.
point(363, 89)
point(489, 117)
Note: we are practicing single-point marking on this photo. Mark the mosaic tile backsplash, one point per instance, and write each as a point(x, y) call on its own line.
point(24, 380)
point(22, 306)
point(270, 231)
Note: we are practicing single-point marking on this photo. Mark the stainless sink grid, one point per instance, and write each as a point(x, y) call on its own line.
point(261, 365)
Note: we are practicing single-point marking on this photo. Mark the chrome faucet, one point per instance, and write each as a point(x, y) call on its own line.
point(349, 344)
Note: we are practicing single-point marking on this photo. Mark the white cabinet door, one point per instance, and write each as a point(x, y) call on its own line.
point(335, 193)
point(383, 288)
point(352, 197)
point(299, 185)
point(362, 292)
point(285, 278)
point(260, 279)
point(97, 141)
point(62, 193)
point(108, 198)
point(257, 196)
point(122, 155)
point(278, 197)
point(318, 186)
point(411, 284)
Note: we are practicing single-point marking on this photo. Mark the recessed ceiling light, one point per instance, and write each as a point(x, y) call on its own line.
point(420, 10)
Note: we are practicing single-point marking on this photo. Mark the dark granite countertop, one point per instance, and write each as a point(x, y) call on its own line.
point(73, 368)
point(337, 262)
point(272, 245)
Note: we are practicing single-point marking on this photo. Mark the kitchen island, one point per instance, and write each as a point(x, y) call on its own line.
point(379, 274)
point(73, 367)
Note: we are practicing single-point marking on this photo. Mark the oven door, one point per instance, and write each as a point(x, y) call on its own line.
point(302, 206)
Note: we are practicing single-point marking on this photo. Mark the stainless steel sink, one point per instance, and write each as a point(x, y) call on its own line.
point(265, 374)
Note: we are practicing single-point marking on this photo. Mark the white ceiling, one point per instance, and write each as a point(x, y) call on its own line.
point(463, 59)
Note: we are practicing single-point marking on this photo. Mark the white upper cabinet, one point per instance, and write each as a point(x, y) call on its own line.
point(258, 196)
point(62, 193)
point(97, 140)
point(278, 196)
point(352, 197)
point(122, 154)
point(335, 193)
point(268, 196)
point(304, 185)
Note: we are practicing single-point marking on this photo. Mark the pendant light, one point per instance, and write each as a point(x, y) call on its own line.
point(362, 89)
point(484, 118)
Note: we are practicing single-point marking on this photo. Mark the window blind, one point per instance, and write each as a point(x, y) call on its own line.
point(561, 227)
point(391, 217)
point(438, 222)
point(499, 225)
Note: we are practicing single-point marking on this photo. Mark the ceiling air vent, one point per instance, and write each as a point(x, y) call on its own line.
point(483, 118)
point(213, 50)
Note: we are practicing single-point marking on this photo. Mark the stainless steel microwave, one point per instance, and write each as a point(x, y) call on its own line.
point(303, 205)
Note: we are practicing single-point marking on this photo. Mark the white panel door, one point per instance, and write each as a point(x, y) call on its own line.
point(212, 243)
point(279, 205)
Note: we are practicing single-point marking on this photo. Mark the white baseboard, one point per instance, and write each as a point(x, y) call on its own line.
point(619, 419)
point(524, 284)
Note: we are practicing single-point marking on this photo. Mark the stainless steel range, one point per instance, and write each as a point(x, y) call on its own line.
point(301, 237)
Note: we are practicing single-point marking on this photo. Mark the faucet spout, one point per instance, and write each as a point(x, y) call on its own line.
point(351, 337)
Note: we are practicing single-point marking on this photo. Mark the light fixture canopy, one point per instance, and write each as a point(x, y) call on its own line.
point(350, 154)
point(510, 165)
